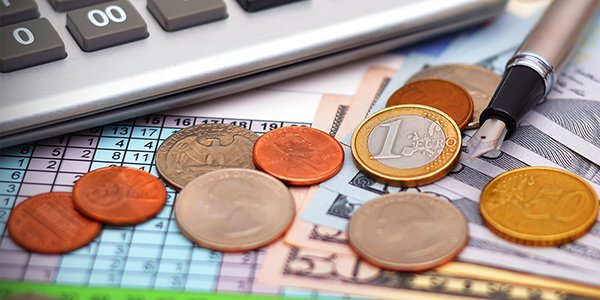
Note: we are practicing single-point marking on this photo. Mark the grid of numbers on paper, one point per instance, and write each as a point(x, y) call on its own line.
point(153, 254)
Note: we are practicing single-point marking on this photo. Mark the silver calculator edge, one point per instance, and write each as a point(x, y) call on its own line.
point(94, 88)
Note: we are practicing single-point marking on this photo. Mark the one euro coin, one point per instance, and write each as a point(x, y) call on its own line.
point(406, 145)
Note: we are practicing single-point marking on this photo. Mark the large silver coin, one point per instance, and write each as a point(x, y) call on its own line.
point(408, 231)
point(234, 210)
point(480, 82)
point(199, 149)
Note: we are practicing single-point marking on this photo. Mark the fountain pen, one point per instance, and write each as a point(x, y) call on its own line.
point(531, 72)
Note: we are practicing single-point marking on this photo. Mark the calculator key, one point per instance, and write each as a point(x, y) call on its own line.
point(106, 25)
point(179, 14)
point(66, 5)
point(15, 11)
point(256, 5)
point(29, 43)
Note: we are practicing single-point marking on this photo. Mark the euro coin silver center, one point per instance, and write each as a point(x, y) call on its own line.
point(406, 142)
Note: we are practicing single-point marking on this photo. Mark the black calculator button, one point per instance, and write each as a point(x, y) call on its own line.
point(256, 5)
point(15, 11)
point(28, 44)
point(179, 14)
point(66, 5)
point(106, 25)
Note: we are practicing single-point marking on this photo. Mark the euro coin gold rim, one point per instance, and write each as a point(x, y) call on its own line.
point(537, 239)
point(409, 177)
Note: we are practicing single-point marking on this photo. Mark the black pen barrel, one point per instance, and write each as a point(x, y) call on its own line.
point(520, 89)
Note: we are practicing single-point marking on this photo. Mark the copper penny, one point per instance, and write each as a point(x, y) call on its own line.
point(298, 155)
point(480, 82)
point(234, 210)
point(408, 231)
point(49, 223)
point(438, 93)
point(119, 195)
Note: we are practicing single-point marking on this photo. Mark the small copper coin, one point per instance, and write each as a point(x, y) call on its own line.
point(119, 195)
point(49, 223)
point(438, 93)
point(480, 82)
point(234, 210)
point(197, 150)
point(298, 155)
point(408, 231)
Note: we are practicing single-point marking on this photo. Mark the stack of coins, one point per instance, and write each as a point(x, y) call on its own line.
point(59, 222)
point(415, 141)
point(226, 205)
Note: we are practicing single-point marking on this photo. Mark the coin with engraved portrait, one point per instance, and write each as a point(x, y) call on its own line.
point(234, 210)
point(539, 206)
point(199, 149)
point(406, 145)
point(49, 223)
point(408, 231)
point(479, 82)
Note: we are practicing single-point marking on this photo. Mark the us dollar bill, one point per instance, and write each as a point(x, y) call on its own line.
point(338, 198)
point(326, 270)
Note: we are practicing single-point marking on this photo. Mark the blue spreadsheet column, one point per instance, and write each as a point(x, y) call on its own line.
point(112, 145)
point(142, 263)
point(77, 159)
point(74, 267)
point(13, 164)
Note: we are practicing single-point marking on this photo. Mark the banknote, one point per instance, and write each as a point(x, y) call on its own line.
point(330, 113)
point(338, 198)
point(372, 85)
point(570, 114)
point(304, 234)
point(325, 270)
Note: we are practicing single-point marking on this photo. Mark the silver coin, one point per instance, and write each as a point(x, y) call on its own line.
point(480, 82)
point(199, 149)
point(234, 210)
point(408, 231)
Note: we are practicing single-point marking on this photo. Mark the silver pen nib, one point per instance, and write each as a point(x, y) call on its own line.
point(488, 138)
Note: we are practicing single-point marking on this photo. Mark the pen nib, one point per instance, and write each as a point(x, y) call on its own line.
point(488, 138)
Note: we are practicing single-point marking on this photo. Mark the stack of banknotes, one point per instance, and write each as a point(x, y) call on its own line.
point(562, 132)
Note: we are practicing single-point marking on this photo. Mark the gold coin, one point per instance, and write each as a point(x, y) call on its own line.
point(196, 150)
point(406, 145)
point(539, 206)
point(479, 82)
point(408, 231)
point(234, 210)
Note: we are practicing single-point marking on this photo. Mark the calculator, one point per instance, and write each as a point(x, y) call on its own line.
point(71, 64)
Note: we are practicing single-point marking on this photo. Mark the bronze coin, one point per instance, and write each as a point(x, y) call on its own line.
point(438, 93)
point(480, 82)
point(408, 231)
point(119, 195)
point(298, 155)
point(49, 223)
point(199, 149)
